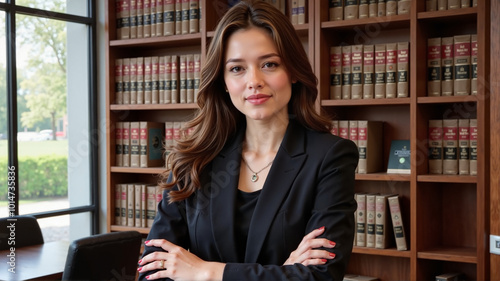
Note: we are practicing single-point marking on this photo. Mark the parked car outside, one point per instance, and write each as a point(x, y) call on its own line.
point(44, 135)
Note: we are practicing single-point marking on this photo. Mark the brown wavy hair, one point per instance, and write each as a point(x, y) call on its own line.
point(217, 118)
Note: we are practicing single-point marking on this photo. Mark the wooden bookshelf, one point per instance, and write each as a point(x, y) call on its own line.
point(446, 217)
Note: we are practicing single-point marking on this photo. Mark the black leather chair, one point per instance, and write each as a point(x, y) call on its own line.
point(108, 256)
point(25, 228)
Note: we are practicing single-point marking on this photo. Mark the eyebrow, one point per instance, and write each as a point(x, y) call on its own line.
point(260, 58)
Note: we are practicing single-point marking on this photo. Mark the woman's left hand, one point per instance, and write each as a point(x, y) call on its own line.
point(178, 264)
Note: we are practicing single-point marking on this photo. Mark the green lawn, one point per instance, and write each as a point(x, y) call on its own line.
point(37, 148)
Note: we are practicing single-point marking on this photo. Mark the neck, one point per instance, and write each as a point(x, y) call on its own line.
point(263, 138)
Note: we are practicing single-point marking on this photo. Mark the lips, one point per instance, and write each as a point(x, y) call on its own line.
point(258, 99)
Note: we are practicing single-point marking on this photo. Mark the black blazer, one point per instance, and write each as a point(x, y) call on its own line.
point(310, 184)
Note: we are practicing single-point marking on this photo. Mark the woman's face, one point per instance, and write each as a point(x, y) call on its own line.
point(255, 77)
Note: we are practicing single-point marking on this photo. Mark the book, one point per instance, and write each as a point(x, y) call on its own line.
point(182, 79)
point(125, 19)
point(126, 81)
point(370, 143)
point(336, 9)
point(454, 4)
point(119, 81)
point(158, 196)
point(138, 205)
point(463, 146)
point(434, 66)
point(391, 7)
point(133, 19)
point(397, 222)
point(399, 157)
point(178, 17)
point(123, 205)
point(151, 140)
point(302, 12)
point(130, 205)
point(140, 80)
point(151, 205)
point(380, 70)
point(363, 9)
point(357, 72)
point(159, 23)
point(152, 12)
point(372, 8)
point(346, 72)
point(353, 133)
point(167, 94)
point(473, 147)
point(140, 18)
point(383, 229)
point(148, 82)
point(442, 5)
point(351, 9)
point(344, 129)
point(370, 220)
point(355, 277)
point(391, 69)
point(335, 128)
point(404, 7)
point(473, 82)
point(368, 71)
point(147, 18)
point(336, 73)
point(144, 205)
point(126, 144)
point(169, 136)
point(161, 79)
point(435, 136)
point(450, 146)
point(118, 144)
point(190, 78)
point(118, 203)
point(452, 276)
point(293, 11)
point(403, 69)
point(461, 55)
point(381, 8)
point(447, 66)
point(361, 219)
point(169, 17)
point(184, 16)
point(431, 5)
point(174, 81)
point(197, 75)
point(133, 81)
point(194, 22)
point(134, 144)
point(155, 80)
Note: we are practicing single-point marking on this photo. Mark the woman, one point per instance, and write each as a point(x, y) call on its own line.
point(261, 190)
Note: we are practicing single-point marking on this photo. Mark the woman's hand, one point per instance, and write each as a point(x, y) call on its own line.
point(307, 253)
point(178, 264)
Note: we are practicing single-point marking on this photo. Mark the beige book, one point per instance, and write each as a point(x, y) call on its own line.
point(130, 205)
point(194, 17)
point(118, 144)
point(126, 81)
point(391, 70)
point(302, 12)
point(147, 18)
point(442, 5)
point(134, 144)
point(383, 229)
point(151, 144)
point(178, 17)
point(353, 131)
point(133, 81)
point(370, 220)
point(435, 146)
point(434, 66)
point(119, 81)
point(474, 3)
point(174, 82)
point(155, 82)
point(161, 79)
point(140, 18)
point(370, 144)
point(336, 73)
point(133, 19)
point(335, 127)
point(344, 129)
point(381, 8)
point(126, 144)
point(144, 205)
point(118, 203)
point(336, 10)
point(351, 9)
point(431, 5)
point(167, 98)
point(368, 71)
point(140, 80)
point(293, 10)
point(357, 72)
point(190, 78)
point(361, 220)
point(450, 146)
point(463, 146)
point(119, 19)
point(363, 9)
point(159, 24)
point(454, 4)
point(197, 75)
point(137, 205)
point(346, 72)
point(404, 7)
point(148, 83)
point(391, 8)
point(447, 66)
point(473, 82)
point(372, 8)
point(355, 277)
point(473, 147)
point(123, 206)
point(462, 65)
point(397, 222)
point(153, 18)
point(182, 79)
point(169, 136)
point(465, 3)
point(403, 69)
point(168, 17)
point(151, 205)
point(177, 131)
point(184, 16)
point(380, 70)
point(125, 16)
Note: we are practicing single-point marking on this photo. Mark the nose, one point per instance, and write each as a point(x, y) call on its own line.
point(255, 80)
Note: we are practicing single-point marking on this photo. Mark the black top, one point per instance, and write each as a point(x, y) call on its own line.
point(245, 205)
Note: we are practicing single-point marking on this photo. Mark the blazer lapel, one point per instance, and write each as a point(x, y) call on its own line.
point(287, 163)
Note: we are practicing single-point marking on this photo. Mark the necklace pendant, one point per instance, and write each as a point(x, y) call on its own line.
point(254, 178)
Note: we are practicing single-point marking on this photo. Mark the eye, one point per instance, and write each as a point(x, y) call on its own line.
point(235, 69)
point(270, 64)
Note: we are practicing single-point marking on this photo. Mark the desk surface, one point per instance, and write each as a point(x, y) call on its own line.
point(43, 262)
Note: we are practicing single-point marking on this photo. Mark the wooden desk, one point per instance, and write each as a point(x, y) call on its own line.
point(39, 262)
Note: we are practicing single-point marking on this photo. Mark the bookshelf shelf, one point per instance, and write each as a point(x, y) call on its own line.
point(465, 255)
point(121, 107)
point(371, 102)
point(449, 99)
point(455, 14)
point(383, 177)
point(390, 252)
point(163, 41)
point(396, 21)
point(142, 230)
point(128, 170)
point(447, 178)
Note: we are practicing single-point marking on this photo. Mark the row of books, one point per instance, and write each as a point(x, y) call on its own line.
point(136, 204)
point(360, 9)
point(451, 276)
point(452, 65)
point(368, 136)
point(155, 18)
point(378, 219)
point(453, 146)
point(440, 5)
point(369, 71)
point(157, 79)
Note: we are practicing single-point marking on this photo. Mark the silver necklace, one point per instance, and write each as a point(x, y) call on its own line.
point(255, 176)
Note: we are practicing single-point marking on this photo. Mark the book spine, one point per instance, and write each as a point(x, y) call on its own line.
point(119, 19)
point(140, 18)
point(351, 9)
point(353, 133)
point(335, 128)
point(462, 52)
point(403, 69)
point(152, 12)
point(361, 220)
point(137, 206)
point(346, 72)
point(143, 206)
point(381, 8)
point(344, 129)
point(130, 205)
point(336, 10)
point(197, 75)
point(336, 73)
point(118, 203)
point(381, 228)
point(169, 136)
point(293, 10)
point(125, 12)
point(404, 7)
point(301, 14)
point(183, 79)
point(174, 82)
point(380, 70)
point(434, 66)
point(454, 4)
point(397, 223)
point(473, 83)
point(126, 144)
point(368, 71)
point(148, 83)
point(140, 80)
point(373, 8)
point(391, 8)
point(473, 146)
point(151, 205)
point(133, 81)
point(442, 5)
point(133, 19)
point(126, 81)
point(161, 79)
point(363, 9)
point(123, 204)
point(190, 78)
point(119, 81)
point(357, 72)
point(370, 220)
point(390, 70)
point(155, 82)
point(168, 80)
point(134, 144)
point(185, 17)
point(118, 144)
point(474, 3)
point(160, 6)
point(431, 5)
point(435, 147)
point(450, 146)
point(146, 18)
point(178, 17)
point(194, 22)
point(169, 17)
point(463, 146)
point(447, 76)
point(143, 142)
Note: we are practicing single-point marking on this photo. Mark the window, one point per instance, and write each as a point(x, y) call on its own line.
point(48, 135)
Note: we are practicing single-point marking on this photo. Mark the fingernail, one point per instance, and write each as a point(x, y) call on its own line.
point(147, 277)
point(139, 269)
point(146, 242)
point(323, 260)
point(139, 262)
point(332, 255)
point(332, 243)
point(321, 228)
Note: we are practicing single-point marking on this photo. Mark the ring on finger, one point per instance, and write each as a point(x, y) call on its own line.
point(162, 264)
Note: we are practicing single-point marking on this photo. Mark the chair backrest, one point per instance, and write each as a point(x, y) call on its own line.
point(24, 230)
point(108, 256)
